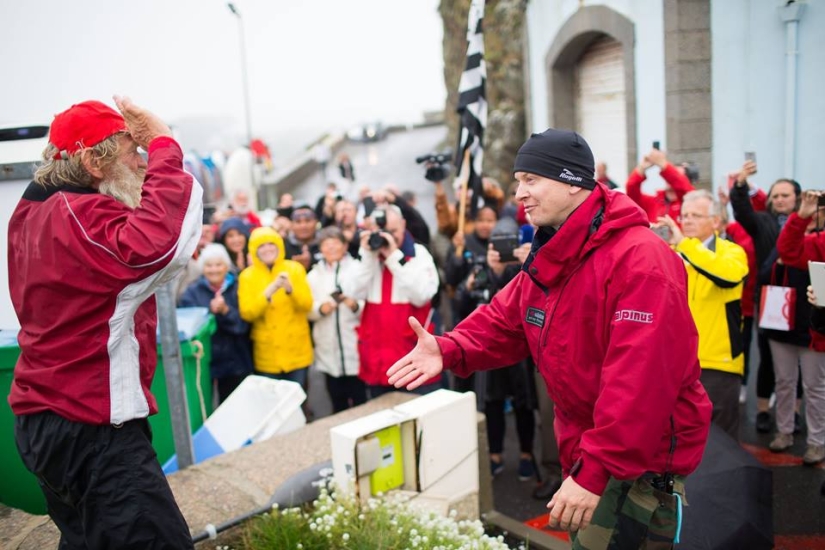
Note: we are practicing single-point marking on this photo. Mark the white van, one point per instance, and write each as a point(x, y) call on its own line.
point(21, 148)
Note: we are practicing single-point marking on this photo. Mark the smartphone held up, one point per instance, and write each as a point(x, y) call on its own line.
point(663, 231)
point(750, 156)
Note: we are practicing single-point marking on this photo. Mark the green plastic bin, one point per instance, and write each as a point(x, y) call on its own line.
point(18, 486)
point(194, 377)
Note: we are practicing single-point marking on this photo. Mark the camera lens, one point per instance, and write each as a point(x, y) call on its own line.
point(376, 241)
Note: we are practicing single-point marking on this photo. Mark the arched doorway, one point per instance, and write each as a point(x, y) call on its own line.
point(595, 40)
point(601, 114)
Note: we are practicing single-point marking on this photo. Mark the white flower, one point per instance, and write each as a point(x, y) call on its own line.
point(345, 537)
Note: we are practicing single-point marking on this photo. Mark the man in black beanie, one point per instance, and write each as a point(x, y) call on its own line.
point(601, 306)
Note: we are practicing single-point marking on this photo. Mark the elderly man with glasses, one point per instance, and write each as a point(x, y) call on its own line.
point(716, 273)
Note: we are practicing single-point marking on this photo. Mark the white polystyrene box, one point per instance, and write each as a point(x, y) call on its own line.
point(446, 430)
point(259, 408)
point(345, 437)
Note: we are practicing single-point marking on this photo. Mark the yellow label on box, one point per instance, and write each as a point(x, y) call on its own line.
point(390, 474)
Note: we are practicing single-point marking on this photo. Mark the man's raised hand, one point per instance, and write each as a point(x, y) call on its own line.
point(143, 125)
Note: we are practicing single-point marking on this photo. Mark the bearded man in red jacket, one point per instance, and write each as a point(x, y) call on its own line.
point(92, 238)
point(601, 306)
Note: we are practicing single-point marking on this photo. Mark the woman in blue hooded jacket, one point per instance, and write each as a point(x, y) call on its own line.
point(234, 236)
point(217, 289)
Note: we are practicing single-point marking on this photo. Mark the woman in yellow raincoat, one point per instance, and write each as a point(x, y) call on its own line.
point(274, 297)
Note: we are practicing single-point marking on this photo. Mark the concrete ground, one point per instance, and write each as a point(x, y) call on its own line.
point(798, 505)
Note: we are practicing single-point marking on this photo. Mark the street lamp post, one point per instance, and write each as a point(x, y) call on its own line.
point(245, 76)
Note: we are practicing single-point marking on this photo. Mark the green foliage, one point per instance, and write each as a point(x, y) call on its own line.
point(384, 523)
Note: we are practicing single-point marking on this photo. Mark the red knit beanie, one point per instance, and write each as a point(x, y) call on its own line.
point(84, 125)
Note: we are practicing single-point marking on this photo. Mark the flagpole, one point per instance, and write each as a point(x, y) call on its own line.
point(464, 178)
point(472, 108)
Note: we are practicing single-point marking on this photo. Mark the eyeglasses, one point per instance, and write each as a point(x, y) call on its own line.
point(692, 216)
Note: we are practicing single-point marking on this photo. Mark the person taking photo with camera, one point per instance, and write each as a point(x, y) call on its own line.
point(437, 166)
point(397, 279)
point(667, 201)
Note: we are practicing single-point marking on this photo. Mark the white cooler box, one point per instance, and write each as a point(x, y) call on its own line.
point(259, 408)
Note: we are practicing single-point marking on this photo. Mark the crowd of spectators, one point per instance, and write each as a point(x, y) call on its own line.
point(331, 285)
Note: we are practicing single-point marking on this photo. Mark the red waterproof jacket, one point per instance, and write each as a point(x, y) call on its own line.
point(83, 269)
point(797, 248)
point(602, 309)
point(657, 205)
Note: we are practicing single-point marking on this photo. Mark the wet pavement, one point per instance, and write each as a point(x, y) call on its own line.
point(798, 505)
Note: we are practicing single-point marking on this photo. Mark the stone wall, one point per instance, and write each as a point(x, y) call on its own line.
point(687, 84)
point(504, 25)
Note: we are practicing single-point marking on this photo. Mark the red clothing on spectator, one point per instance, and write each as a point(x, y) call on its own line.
point(741, 237)
point(251, 219)
point(657, 205)
point(795, 247)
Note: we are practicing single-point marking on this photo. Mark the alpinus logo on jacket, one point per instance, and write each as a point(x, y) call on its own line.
point(568, 175)
point(635, 316)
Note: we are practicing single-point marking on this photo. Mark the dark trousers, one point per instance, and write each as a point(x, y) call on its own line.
point(345, 392)
point(463, 385)
point(764, 374)
point(525, 426)
point(747, 339)
point(298, 375)
point(723, 391)
point(104, 486)
point(228, 384)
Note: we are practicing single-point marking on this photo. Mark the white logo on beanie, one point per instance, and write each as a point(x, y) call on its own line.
point(568, 175)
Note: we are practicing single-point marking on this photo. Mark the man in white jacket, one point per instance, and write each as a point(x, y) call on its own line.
point(397, 278)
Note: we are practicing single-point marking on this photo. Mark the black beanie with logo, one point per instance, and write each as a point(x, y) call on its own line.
point(561, 155)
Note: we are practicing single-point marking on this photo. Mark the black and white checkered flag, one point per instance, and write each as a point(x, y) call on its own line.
point(472, 104)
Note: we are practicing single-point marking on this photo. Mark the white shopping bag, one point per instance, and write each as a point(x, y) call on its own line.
point(777, 307)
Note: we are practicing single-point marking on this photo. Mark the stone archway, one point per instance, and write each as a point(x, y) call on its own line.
point(586, 26)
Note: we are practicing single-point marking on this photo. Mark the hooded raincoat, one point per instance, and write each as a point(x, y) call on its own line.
point(601, 305)
point(280, 330)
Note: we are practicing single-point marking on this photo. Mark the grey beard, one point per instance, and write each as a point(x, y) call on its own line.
point(123, 185)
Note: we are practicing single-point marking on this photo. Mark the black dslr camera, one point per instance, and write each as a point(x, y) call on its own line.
point(437, 165)
point(377, 240)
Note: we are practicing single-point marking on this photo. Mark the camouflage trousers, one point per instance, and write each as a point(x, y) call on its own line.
point(630, 515)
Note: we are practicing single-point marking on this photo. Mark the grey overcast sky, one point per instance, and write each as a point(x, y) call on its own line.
point(313, 64)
